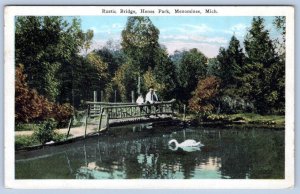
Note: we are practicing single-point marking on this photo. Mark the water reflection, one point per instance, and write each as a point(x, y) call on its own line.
point(141, 152)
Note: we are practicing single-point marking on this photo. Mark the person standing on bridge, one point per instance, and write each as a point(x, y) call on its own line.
point(140, 100)
point(151, 98)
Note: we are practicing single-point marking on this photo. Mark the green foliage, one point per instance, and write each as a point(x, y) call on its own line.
point(192, 67)
point(112, 55)
point(87, 39)
point(265, 72)
point(45, 132)
point(49, 49)
point(250, 118)
point(125, 81)
point(140, 42)
point(280, 24)
point(229, 66)
point(213, 67)
point(26, 126)
point(25, 141)
point(165, 75)
point(150, 81)
point(258, 45)
point(231, 62)
point(44, 45)
point(98, 72)
point(253, 81)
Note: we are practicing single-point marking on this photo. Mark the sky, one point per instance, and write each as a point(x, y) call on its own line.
point(206, 33)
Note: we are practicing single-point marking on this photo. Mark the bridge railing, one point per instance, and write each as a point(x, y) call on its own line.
point(133, 111)
point(94, 108)
point(128, 110)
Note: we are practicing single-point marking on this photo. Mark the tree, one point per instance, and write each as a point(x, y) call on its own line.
point(213, 67)
point(44, 45)
point(165, 75)
point(98, 74)
point(231, 62)
point(140, 42)
point(112, 55)
point(258, 45)
point(87, 40)
point(267, 74)
point(229, 68)
point(151, 81)
point(202, 101)
point(280, 24)
point(192, 68)
point(125, 81)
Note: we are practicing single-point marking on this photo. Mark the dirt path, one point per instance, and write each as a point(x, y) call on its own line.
point(74, 132)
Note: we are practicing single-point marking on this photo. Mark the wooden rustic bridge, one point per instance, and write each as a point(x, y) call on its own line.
point(103, 114)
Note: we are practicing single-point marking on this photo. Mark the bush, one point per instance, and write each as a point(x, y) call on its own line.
point(232, 105)
point(25, 141)
point(45, 132)
point(30, 106)
point(62, 114)
point(26, 126)
point(202, 101)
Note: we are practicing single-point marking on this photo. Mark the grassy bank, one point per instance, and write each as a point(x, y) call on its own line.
point(241, 118)
point(22, 141)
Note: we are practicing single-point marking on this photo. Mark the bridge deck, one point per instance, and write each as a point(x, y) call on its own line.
point(106, 114)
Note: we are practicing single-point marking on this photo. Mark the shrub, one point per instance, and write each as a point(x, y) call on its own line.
point(45, 132)
point(62, 113)
point(25, 141)
point(30, 106)
point(204, 95)
point(26, 126)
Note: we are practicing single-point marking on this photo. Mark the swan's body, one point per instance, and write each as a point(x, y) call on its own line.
point(186, 143)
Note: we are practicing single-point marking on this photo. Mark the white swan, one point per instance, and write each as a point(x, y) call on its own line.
point(186, 143)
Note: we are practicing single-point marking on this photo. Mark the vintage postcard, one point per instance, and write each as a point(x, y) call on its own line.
point(146, 97)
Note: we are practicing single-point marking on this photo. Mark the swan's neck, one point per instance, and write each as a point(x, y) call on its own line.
point(175, 142)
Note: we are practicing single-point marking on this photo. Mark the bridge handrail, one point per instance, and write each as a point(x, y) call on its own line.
point(109, 103)
point(126, 104)
point(142, 105)
point(107, 108)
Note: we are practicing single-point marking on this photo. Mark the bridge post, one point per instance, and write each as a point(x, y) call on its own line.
point(107, 119)
point(172, 108)
point(184, 109)
point(139, 85)
point(101, 96)
point(86, 119)
point(100, 122)
point(69, 127)
point(132, 96)
point(95, 96)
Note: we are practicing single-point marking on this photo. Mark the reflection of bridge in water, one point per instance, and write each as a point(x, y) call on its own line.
point(134, 152)
point(139, 151)
point(104, 115)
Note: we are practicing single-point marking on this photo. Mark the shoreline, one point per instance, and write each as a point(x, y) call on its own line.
point(244, 120)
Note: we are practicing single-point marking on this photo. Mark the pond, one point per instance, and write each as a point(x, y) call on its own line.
point(142, 152)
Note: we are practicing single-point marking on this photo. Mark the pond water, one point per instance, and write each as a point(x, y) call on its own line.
point(142, 152)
